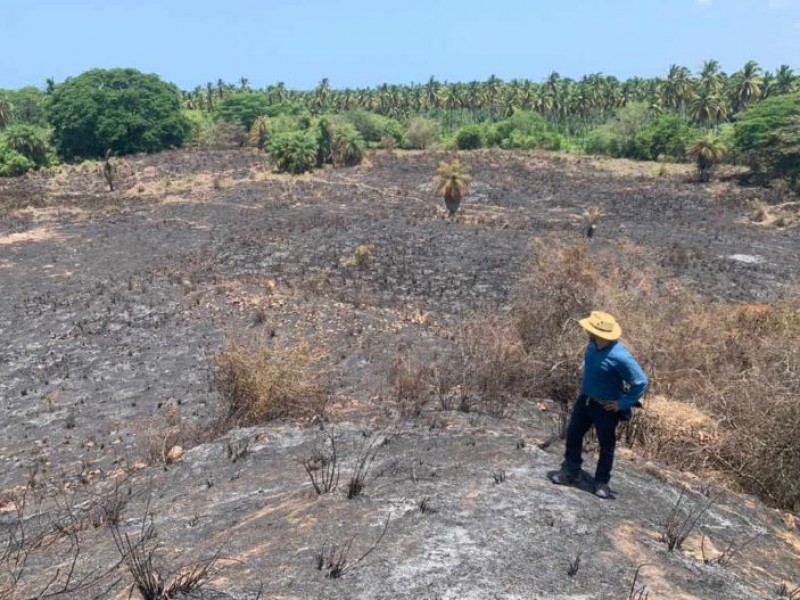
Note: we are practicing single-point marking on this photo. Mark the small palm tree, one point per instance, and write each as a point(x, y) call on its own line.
point(452, 182)
point(707, 152)
point(260, 133)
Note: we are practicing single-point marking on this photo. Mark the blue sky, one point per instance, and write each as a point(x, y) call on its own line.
point(357, 43)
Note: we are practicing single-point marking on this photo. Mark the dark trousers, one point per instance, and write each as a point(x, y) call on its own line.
point(584, 415)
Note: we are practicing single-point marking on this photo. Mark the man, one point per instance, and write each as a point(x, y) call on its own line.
point(613, 383)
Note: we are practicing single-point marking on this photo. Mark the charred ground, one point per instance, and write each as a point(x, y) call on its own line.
point(115, 304)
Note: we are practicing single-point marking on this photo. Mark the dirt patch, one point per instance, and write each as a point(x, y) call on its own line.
point(39, 234)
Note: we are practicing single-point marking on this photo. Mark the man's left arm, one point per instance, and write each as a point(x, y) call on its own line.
point(632, 374)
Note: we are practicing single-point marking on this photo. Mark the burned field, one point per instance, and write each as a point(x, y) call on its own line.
point(117, 305)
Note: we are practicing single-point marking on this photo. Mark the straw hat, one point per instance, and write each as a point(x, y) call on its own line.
point(603, 325)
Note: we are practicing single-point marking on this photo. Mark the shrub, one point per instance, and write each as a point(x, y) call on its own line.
point(767, 137)
point(118, 109)
point(421, 134)
point(374, 127)
point(348, 146)
point(526, 130)
point(602, 141)
point(260, 133)
point(294, 152)
point(260, 385)
point(221, 134)
point(242, 108)
point(30, 141)
point(286, 123)
point(667, 136)
point(28, 104)
point(470, 138)
point(199, 121)
point(12, 163)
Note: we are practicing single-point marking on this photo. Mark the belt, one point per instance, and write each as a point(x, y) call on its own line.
point(595, 400)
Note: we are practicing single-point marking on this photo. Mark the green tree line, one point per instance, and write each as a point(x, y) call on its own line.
point(749, 116)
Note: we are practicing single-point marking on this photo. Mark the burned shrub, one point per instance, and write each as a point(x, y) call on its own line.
point(257, 385)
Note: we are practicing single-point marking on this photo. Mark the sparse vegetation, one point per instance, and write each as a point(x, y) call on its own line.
point(258, 385)
point(681, 521)
point(323, 466)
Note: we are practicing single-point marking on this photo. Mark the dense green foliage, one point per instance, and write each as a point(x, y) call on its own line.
point(30, 141)
point(295, 151)
point(119, 109)
point(243, 108)
point(12, 162)
point(348, 146)
point(640, 133)
point(26, 105)
point(470, 138)
point(752, 113)
point(767, 136)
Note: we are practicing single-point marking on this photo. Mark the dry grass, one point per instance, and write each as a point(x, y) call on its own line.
point(257, 385)
point(487, 370)
point(781, 216)
point(726, 375)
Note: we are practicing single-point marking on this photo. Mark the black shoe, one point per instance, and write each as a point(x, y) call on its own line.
point(563, 477)
point(601, 490)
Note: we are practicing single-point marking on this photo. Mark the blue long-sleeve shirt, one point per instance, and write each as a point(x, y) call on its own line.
point(607, 373)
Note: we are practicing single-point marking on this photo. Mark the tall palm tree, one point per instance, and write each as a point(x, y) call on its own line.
point(785, 81)
point(452, 181)
point(707, 108)
point(321, 96)
point(6, 111)
point(711, 76)
point(677, 89)
point(707, 152)
point(748, 84)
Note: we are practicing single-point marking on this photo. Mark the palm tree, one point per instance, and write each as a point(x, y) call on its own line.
point(260, 133)
point(749, 81)
point(711, 76)
point(452, 182)
point(707, 108)
point(707, 152)
point(677, 89)
point(6, 111)
point(784, 80)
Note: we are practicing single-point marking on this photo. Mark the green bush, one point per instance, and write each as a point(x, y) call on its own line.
point(470, 138)
point(294, 152)
point(421, 133)
point(348, 146)
point(525, 130)
point(285, 123)
point(30, 141)
point(28, 107)
point(767, 137)
point(667, 136)
point(602, 141)
point(374, 127)
point(242, 108)
point(118, 109)
point(199, 121)
point(12, 163)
